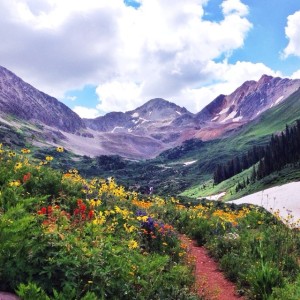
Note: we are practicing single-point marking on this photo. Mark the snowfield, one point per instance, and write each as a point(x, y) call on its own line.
point(285, 198)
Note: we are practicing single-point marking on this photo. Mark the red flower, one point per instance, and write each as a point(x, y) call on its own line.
point(90, 214)
point(26, 177)
point(50, 210)
point(42, 211)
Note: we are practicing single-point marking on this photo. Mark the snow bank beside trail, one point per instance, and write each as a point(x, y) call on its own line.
point(285, 198)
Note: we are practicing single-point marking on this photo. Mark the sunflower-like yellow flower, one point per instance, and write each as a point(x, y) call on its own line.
point(132, 244)
point(18, 166)
point(60, 149)
point(25, 151)
point(15, 183)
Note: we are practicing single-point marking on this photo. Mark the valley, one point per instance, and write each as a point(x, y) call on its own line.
point(101, 206)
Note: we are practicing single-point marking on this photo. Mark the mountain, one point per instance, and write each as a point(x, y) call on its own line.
point(157, 119)
point(141, 133)
point(21, 100)
point(246, 103)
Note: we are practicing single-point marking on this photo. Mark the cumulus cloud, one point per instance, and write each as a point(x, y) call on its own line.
point(85, 112)
point(292, 31)
point(296, 75)
point(163, 48)
point(234, 7)
point(119, 96)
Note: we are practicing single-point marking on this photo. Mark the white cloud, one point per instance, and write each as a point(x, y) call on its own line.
point(162, 49)
point(119, 96)
point(292, 31)
point(85, 112)
point(234, 7)
point(296, 75)
point(168, 49)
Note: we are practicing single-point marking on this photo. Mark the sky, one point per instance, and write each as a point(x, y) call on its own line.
point(98, 56)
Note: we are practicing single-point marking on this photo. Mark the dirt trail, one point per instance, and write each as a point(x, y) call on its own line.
point(8, 296)
point(210, 281)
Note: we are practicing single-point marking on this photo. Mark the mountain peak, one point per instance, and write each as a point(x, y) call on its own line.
point(158, 103)
point(265, 77)
point(159, 109)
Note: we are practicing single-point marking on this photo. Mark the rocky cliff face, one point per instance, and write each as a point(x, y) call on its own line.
point(23, 101)
point(249, 100)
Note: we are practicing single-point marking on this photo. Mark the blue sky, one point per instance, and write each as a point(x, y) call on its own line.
point(99, 56)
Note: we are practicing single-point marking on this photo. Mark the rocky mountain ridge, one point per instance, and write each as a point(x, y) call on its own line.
point(21, 100)
point(141, 133)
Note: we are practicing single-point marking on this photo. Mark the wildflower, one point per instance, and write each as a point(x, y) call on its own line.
point(15, 183)
point(49, 158)
point(99, 219)
point(95, 202)
point(129, 229)
point(132, 244)
point(18, 166)
point(60, 149)
point(25, 151)
point(42, 211)
point(11, 154)
point(90, 214)
point(26, 177)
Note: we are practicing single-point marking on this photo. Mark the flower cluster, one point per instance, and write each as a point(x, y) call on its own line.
point(81, 213)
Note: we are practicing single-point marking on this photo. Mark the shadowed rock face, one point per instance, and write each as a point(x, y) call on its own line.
point(22, 100)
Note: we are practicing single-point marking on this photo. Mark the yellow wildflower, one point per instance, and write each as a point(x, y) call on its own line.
point(49, 158)
point(25, 151)
point(132, 244)
point(129, 229)
point(18, 166)
point(11, 154)
point(60, 149)
point(15, 183)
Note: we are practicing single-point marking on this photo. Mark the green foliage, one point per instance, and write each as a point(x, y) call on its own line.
point(290, 291)
point(31, 291)
point(63, 237)
point(262, 279)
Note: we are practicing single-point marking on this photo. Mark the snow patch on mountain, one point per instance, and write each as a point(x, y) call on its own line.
point(230, 116)
point(117, 127)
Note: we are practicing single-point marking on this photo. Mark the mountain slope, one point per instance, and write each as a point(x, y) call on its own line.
point(23, 101)
point(246, 103)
